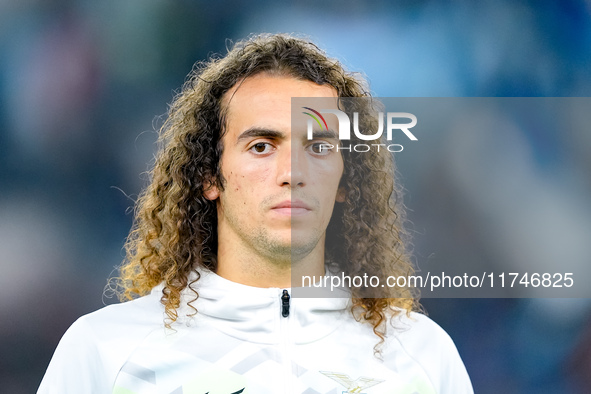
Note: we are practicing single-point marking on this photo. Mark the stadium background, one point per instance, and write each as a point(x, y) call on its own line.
point(82, 85)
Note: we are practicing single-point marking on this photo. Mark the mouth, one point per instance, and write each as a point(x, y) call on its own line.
point(291, 208)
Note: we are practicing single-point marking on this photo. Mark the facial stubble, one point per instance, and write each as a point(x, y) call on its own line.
point(277, 252)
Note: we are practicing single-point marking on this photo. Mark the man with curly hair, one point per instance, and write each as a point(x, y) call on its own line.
point(242, 205)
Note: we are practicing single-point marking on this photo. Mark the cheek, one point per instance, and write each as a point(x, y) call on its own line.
point(256, 172)
point(247, 179)
point(329, 179)
point(329, 173)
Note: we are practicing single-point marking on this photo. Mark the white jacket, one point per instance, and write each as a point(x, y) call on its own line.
point(239, 342)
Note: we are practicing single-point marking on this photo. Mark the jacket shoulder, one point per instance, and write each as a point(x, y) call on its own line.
point(432, 349)
point(93, 349)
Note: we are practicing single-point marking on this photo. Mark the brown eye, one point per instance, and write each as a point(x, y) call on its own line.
point(261, 147)
point(321, 148)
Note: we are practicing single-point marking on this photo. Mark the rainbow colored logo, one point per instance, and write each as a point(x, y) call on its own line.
point(315, 118)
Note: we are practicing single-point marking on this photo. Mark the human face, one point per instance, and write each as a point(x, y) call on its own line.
point(279, 190)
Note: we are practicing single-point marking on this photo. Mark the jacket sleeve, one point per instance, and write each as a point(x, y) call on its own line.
point(76, 366)
point(454, 378)
point(434, 351)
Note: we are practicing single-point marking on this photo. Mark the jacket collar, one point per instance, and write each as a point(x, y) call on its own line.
point(254, 314)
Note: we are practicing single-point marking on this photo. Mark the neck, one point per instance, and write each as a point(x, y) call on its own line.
point(241, 264)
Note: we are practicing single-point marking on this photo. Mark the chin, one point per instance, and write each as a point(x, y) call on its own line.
point(302, 248)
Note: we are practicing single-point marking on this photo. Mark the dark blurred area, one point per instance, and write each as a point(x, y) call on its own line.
point(84, 85)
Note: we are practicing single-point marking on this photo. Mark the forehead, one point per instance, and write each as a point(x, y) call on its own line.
point(264, 100)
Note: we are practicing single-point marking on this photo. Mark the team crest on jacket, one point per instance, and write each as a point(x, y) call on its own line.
point(352, 386)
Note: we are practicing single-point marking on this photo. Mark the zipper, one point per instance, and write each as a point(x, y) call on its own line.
point(285, 345)
point(285, 303)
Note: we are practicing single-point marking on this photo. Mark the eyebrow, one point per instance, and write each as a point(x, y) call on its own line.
point(327, 134)
point(255, 132)
point(260, 132)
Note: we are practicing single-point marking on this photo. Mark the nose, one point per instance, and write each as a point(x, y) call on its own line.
point(291, 171)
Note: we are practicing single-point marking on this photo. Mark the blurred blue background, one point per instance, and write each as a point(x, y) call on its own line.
point(83, 85)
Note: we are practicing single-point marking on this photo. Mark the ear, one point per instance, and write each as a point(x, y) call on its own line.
point(341, 194)
point(211, 191)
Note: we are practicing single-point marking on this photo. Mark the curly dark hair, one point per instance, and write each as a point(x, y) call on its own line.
point(175, 228)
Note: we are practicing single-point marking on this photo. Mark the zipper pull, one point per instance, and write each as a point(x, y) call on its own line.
point(285, 303)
